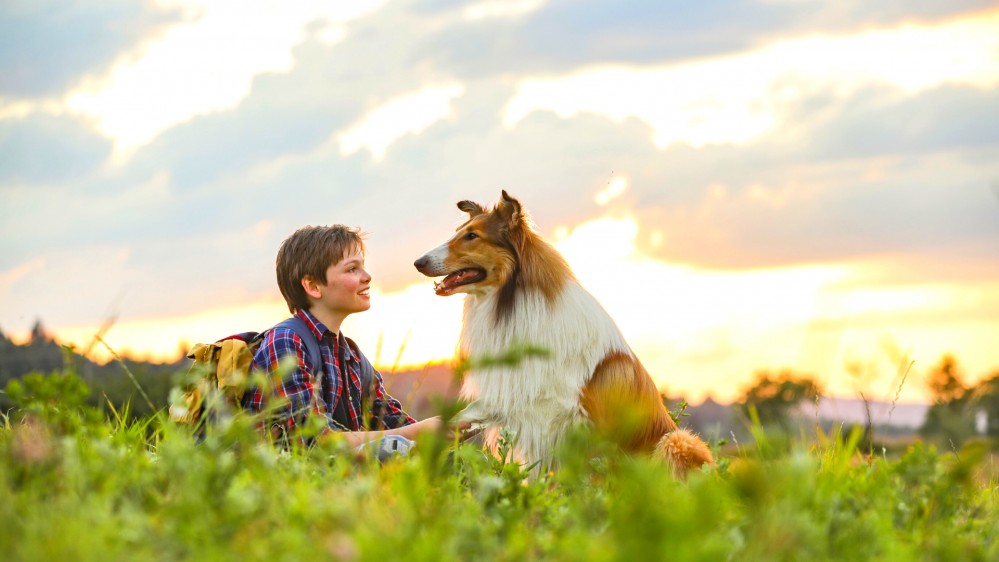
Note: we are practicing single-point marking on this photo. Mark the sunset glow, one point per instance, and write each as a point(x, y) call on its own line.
point(699, 332)
point(779, 185)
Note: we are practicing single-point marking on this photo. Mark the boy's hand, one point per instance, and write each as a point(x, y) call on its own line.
point(465, 430)
point(461, 429)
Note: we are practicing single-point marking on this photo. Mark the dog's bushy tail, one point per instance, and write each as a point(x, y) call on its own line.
point(683, 452)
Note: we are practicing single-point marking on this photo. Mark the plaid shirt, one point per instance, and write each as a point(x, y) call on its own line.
point(319, 394)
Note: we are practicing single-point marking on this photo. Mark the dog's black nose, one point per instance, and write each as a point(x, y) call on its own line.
point(421, 263)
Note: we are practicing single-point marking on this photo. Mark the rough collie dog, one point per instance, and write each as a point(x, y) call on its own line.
point(520, 290)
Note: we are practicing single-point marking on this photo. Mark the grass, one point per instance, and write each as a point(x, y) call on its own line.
point(81, 484)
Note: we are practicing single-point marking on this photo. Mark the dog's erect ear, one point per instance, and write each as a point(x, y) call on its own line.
point(509, 209)
point(470, 207)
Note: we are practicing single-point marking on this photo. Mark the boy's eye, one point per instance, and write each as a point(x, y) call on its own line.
point(471, 236)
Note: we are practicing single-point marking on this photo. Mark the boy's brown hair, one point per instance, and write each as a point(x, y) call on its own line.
point(309, 252)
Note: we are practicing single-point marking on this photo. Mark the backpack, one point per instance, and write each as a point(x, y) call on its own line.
point(224, 366)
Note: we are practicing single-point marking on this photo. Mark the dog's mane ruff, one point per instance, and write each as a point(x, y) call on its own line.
point(538, 267)
point(539, 397)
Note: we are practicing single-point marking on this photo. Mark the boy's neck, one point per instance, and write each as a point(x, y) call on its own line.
point(330, 319)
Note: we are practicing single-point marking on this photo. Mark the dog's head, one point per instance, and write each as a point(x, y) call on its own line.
point(484, 252)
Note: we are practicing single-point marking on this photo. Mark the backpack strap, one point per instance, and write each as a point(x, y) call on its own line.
point(313, 356)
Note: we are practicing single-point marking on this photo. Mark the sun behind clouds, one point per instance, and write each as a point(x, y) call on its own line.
point(699, 332)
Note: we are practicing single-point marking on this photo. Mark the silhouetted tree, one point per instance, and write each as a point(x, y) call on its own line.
point(777, 397)
point(38, 334)
point(5, 343)
point(950, 416)
point(945, 381)
point(986, 399)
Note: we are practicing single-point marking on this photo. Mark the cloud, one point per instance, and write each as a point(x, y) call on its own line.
point(141, 276)
point(93, 278)
point(564, 35)
point(738, 98)
point(42, 149)
point(409, 114)
point(207, 64)
point(9, 278)
point(74, 217)
point(328, 89)
point(851, 15)
point(923, 208)
point(47, 46)
point(874, 170)
point(776, 202)
point(879, 122)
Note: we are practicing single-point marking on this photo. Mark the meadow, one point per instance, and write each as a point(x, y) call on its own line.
point(84, 483)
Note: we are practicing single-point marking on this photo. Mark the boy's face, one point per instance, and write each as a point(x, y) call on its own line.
point(347, 286)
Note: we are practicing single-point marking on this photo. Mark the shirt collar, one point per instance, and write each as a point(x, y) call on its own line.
point(320, 330)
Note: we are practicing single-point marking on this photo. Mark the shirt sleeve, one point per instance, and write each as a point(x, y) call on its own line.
point(283, 349)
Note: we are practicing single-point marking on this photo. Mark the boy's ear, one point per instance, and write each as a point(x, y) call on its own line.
point(311, 287)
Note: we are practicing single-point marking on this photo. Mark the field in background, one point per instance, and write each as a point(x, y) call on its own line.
point(80, 483)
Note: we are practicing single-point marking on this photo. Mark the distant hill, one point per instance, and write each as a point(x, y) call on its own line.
point(852, 410)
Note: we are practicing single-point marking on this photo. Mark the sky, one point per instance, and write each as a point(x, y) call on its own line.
point(745, 185)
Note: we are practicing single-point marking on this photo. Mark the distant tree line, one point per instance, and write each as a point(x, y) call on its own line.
point(958, 410)
point(109, 384)
point(961, 410)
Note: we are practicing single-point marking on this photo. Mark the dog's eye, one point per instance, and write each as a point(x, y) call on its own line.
point(471, 236)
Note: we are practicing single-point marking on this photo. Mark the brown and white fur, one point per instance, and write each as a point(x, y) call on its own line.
point(520, 290)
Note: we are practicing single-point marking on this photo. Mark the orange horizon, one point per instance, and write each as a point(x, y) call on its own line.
point(388, 370)
point(699, 332)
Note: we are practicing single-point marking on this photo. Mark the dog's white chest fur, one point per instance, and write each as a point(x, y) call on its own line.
point(539, 398)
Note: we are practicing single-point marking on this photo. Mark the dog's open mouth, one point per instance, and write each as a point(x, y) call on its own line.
point(458, 278)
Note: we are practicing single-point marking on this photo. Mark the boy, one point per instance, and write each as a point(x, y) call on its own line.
point(320, 271)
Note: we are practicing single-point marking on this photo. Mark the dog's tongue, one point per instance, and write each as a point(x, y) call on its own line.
point(453, 280)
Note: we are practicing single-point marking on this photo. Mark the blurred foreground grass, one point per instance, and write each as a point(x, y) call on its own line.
point(75, 485)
